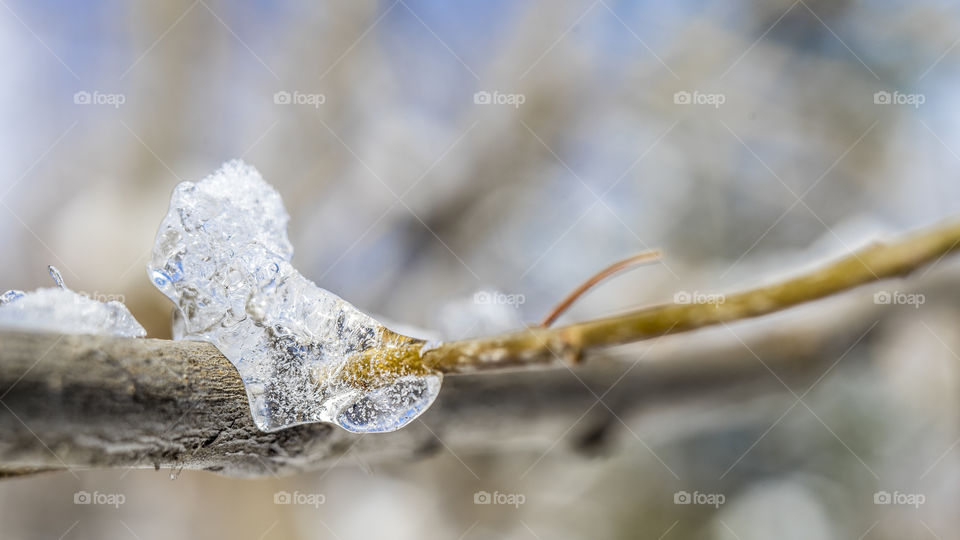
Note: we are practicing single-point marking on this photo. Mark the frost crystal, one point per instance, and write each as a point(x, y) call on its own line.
point(223, 257)
point(58, 309)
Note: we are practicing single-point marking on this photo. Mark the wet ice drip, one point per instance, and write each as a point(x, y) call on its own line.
point(223, 257)
point(58, 309)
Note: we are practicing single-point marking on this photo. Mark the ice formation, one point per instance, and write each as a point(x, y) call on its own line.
point(58, 309)
point(223, 257)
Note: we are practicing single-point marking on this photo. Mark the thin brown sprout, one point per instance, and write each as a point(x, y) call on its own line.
point(564, 305)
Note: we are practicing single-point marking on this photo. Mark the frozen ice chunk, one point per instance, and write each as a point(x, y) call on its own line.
point(58, 309)
point(223, 257)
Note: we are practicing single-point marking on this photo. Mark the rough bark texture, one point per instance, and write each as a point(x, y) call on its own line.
point(95, 402)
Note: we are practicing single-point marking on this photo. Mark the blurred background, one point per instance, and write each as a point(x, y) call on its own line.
point(427, 150)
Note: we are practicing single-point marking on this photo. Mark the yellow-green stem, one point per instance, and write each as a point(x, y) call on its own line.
point(541, 345)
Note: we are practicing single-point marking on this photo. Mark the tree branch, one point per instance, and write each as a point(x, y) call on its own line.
point(80, 402)
point(92, 401)
point(537, 345)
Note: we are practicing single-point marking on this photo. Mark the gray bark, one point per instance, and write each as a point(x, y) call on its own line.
point(77, 402)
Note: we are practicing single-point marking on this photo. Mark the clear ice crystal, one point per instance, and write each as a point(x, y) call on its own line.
point(223, 257)
point(58, 309)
